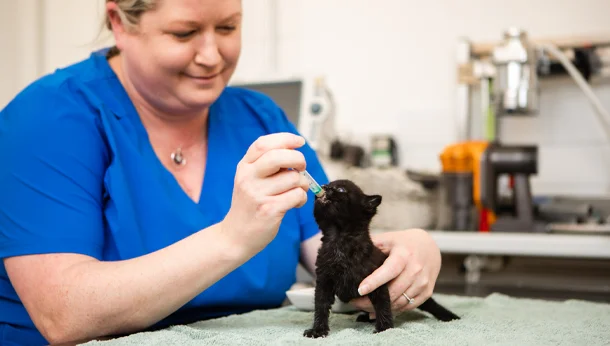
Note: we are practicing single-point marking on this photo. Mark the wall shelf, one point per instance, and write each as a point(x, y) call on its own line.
point(484, 49)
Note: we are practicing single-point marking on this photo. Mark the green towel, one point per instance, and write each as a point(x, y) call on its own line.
point(494, 320)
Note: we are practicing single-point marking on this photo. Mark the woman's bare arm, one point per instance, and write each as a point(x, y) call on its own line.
point(309, 253)
point(74, 297)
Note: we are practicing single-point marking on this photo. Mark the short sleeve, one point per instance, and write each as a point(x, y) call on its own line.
point(52, 162)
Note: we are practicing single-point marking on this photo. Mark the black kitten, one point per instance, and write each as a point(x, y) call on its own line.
point(348, 255)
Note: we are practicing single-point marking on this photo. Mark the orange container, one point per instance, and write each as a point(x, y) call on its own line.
point(465, 157)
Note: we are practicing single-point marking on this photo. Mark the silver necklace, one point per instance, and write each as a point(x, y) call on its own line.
point(178, 157)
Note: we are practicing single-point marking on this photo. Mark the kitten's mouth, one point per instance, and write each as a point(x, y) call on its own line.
point(322, 200)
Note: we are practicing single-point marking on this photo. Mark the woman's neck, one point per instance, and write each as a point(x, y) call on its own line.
point(184, 130)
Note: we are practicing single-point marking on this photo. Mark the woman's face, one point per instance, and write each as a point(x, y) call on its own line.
point(183, 53)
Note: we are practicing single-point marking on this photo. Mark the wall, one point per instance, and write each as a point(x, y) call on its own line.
point(20, 46)
point(392, 70)
point(38, 36)
point(8, 43)
point(71, 31)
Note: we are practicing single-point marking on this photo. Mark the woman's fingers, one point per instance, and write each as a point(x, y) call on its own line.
point(400, 285)
point(410, 281)
point(390, 269)
point(270, 142)
point(260, 198)
point(275, 160)
point(284, 181)
point(419, 292)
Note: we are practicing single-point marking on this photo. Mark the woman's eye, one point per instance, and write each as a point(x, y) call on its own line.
point(183, 35)
point(341, 189)
point(226, 28)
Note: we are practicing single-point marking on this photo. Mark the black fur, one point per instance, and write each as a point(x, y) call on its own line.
point(348, 255)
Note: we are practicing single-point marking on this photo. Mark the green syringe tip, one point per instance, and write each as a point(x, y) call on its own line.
point(313, 185)
point(317, 190)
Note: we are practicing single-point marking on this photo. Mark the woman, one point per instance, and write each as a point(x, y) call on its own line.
point(139, 191)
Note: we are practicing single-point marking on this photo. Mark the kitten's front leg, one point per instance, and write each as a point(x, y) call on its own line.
point(383, 308)
point(324, 299)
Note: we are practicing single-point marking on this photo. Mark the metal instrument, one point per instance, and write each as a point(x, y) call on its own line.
point(516, 86)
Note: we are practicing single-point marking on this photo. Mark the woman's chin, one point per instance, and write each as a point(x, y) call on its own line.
point(195, 99)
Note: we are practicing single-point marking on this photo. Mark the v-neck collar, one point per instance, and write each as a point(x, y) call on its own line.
point(143, 143)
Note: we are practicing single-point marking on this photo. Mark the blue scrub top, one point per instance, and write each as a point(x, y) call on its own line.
point(78, 175)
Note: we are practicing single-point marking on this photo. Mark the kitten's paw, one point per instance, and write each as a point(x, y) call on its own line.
point(448, 317)
point(316, 333)
point(381, 329)
point(364, 317)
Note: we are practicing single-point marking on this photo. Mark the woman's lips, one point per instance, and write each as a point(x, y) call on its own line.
point(204, 77)
point(207, 79)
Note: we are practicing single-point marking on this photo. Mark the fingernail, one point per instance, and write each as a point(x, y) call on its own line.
point(364, 289)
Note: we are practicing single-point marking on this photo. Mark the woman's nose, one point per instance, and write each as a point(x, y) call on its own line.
point(208, 54)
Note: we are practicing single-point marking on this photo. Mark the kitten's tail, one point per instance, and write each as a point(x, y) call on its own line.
point(438, 311)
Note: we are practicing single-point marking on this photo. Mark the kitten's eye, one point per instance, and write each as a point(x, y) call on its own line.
point(341, 189)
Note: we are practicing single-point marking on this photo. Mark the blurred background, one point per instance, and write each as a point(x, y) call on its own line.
point(484, 122)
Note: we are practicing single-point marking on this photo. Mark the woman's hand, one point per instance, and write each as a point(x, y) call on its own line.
point(412, 268)
point(265, 189)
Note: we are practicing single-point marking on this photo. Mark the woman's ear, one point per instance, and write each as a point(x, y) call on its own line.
point(116, 23)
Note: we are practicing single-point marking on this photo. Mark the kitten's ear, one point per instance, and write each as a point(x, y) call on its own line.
point(373, 201)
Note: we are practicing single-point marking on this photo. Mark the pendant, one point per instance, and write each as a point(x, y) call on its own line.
point(178, 158)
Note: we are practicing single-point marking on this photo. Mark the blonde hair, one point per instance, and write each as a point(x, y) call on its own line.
point(129, 11)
